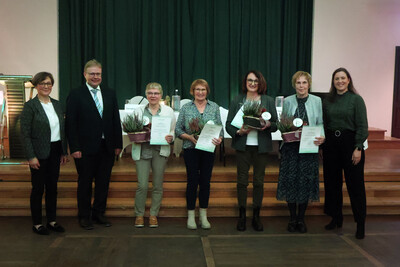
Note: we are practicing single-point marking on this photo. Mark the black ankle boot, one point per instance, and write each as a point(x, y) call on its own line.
point(241, 224)
point(360, 234)
point(335, 222)
point(257, 225)
point(301, 227)
point(292, 226)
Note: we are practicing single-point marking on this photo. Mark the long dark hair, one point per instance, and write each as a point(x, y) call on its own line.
point(262, 84)
point(350, 87)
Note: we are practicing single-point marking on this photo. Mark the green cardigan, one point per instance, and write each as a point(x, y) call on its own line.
point(264, 137)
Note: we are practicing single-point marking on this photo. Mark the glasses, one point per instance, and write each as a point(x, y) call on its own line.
point(250, 81)
point(200, 89)
point(93, 74)
point(46, 84)
point(153, 94)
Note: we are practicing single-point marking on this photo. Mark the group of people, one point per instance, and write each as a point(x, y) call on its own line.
point(92, 128)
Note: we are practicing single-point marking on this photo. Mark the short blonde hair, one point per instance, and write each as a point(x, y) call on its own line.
point(92, 63)
point(154, 86)
point(199, 82)
point(299, 74)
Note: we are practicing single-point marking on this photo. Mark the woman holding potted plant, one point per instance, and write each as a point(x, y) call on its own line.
point(251, 144)
point(149, 156)
point(199, 164)
point(346, 124)
point(298, 174)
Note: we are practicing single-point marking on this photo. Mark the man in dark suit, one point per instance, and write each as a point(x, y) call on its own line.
point(94, 137)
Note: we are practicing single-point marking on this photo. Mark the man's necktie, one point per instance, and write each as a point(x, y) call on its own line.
point(97, 101)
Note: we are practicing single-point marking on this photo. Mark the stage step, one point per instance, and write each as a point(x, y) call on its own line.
point(378, 140)
point(382, 198)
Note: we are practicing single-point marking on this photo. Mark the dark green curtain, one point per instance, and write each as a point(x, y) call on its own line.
point(174, 42)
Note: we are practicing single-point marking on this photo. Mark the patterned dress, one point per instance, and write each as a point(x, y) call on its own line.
point(298, 173)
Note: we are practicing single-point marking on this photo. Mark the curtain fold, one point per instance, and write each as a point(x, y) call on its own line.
point(174, 42)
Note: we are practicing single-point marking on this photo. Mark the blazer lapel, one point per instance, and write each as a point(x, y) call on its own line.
point(40, 110)
point(87, 94)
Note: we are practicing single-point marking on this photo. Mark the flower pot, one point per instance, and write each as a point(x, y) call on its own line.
point(139, 137)
point(253, 122)
point(289, 137)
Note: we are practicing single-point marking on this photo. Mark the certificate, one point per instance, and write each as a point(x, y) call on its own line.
point(308, 135)
point(238, 119)
point(160, 127)
point(209, 132)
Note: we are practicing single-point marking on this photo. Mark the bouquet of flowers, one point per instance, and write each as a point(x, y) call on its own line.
point(137, 129)
point(290, 133)
point(252, 111)
point(196, 125)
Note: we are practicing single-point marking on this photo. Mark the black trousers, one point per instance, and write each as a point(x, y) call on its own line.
point(97, 167)
point(199, 165)
point(337, 157)
point(46, 178)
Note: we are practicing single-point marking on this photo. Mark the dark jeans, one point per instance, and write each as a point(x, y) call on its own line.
point(99, 167)
point(337, 154)
point(244, 161)
point(46, 178)
point(199, 165)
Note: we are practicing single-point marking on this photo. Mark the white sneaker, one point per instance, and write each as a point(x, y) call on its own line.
point(205, 224)
point(191, 223)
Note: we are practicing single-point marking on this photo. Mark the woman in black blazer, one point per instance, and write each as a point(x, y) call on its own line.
point(43, 132)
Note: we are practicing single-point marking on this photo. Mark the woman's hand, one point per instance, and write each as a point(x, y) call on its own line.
point(356, 156)
point(192, 139)
point(319, 140)
point(217, 141)
point(34, 163)
point(169, 138)
point(63, 159)
point(77, 155)
point(243, 130)
point(267, 124)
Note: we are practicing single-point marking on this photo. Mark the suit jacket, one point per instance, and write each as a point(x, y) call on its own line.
point(35, 128)
point(85, 126)
point(264, 137)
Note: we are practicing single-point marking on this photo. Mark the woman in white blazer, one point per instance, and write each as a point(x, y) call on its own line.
point(149, 156)
point(299, 173)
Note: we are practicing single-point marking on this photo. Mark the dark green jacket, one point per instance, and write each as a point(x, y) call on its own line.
point(264, 137)
point(35, 129)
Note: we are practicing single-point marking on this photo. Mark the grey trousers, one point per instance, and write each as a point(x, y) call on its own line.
point(244, 161)
point(157, 164)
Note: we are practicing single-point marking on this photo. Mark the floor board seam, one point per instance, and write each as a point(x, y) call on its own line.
point(208, 251)
point(369, 257)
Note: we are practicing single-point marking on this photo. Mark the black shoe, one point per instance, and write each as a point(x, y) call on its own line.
point(101, 219)
point(256, 222)
point(301, 227)
point(86, 224)
point(241, 224)
point(335, 222)
point(360, 234)
point(292, 226)
point(41, 230)
point(56, 228)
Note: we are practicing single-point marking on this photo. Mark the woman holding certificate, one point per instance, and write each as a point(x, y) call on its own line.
point(345, 117)
point(299, 172)
point(199, 163)
point(154, 156)
point(251, 145)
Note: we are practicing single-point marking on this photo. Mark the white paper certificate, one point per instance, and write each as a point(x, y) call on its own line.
point(238, 119)
point(209, 132)
point(160, 127)
point(308, 134)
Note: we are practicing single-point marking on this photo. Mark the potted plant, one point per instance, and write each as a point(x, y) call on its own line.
point(196, 125)
point(134, 126)
point(290, 133)
point(252, 111)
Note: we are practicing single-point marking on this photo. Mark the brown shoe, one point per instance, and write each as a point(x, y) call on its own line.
point(153, 223)
point(139, 222)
